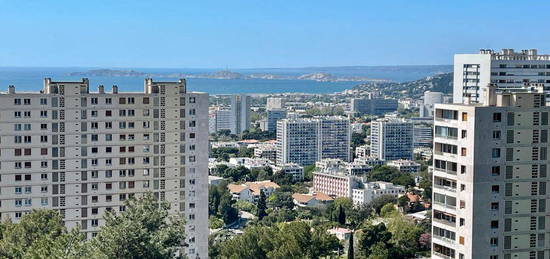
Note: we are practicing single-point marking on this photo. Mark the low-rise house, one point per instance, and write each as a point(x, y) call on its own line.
point(266, 151)
point(296, 170)
point(250, 163)
point(405, 166)
point(343, 234)
point(240, 192)
point(369, 191)
point(311, 200)
point(251, 191)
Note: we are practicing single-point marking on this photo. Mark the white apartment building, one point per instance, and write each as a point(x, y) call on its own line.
point(305, 141)
point(490, 176)
point(335, 183)
point(83, 153)
point(405, 166)
point(508, 69)
point(240, 113)
point(357, 167)
point(297, 171)
point(267, 151)
point(391, 139)
point(369, 191)
point(362, 151)
point(430, 99)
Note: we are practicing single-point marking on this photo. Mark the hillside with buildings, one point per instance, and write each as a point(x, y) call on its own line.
point(414, 89)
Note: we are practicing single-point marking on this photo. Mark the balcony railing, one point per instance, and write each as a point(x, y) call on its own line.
point(447, 188)
point(442, 255)
point(445, 171)
point(445, 205)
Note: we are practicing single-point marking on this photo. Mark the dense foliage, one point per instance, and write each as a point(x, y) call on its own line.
point(143, 230)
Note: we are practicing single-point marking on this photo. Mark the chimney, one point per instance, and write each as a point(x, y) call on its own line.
point(115, 89)
point(101, 89)
point(11, 89)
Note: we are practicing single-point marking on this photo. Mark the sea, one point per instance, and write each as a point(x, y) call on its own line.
point(31, 78)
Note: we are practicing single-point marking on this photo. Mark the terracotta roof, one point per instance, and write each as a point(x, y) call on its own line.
point(257, 186)
point(323, 197)
point(302, 198)
point(236, 188)
point(413, 197)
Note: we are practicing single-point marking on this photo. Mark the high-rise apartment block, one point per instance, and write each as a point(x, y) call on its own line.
point(509, 70)
point(305, 141)
point(490, 197)
point(391, 139)
point(430, 99)
point(84, 153)
point(273, 116)
point(372, 105)
point(240, 113)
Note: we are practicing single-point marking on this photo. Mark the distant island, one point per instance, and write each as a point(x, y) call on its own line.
point(228, 75)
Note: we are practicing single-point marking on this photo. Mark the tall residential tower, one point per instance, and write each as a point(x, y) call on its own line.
point(84, 153)
point(490, 197)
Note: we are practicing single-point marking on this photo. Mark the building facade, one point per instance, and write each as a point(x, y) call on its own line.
point(272, 117)
point(305, 141)
point(490, 198)
point(373, 106)
point(84, 153)
point(509, 70)
point(240, 113)
point(391, 139)
point(372, 190)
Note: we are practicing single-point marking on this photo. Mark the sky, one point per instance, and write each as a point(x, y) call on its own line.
point(262, 34)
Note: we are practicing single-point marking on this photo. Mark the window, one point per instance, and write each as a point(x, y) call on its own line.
point(462, 187)
point(464, 133)
point(191, 135)
point(494, 224)
point(494, 205)
point(462, 221)
point(494, 241)
point(463, 151)
point(27, 101)
point(497, 117)
point(108, 101)
point(17, 101)
point(495, 171)
point(496, 153)
point(43, 101)
point(495, 189)
point(108, 174)
point(464, 116)
point(93, 100)
point(496, 134)
point(192, 100)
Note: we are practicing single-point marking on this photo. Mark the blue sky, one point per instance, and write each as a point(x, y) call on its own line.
point(249, 34)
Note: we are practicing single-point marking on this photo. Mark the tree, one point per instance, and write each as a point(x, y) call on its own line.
point(292, 240)
point(143, 230)
point(387, 210)
point(390, 174)
point(379, 251)
point(280, 199)
point(371, 235)
point(308, 172)
point(377, 203)
point(341, 215)
point(404, 235)
point(261, 206)
point(41, 234)
point(350, 247)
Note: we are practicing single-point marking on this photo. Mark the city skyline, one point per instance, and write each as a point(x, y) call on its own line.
point(219, 34)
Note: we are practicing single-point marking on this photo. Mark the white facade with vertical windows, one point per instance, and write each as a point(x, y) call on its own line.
point(490, 177)
point(83, 153)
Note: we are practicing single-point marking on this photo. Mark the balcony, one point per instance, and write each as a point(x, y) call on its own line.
point(444, 187)
point(445, 239)
point(440, 255)
point(447, 171)
point(447, 206)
